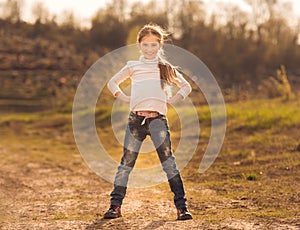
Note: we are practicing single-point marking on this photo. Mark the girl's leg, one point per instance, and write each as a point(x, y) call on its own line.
point(160, 135)
point(135, 134)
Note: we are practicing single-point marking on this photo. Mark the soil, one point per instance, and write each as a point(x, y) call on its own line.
point(45, 184)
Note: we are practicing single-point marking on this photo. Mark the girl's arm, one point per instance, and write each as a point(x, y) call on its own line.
point(175, 98)
point(116, 80)
point(184, 89)
point(122, 96)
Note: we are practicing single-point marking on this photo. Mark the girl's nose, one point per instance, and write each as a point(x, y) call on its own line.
point(147, 48)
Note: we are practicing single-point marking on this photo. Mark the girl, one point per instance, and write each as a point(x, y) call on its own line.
point(150, 77)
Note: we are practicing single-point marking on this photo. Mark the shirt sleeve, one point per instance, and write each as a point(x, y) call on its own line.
point(117, 79)
point(184, 87)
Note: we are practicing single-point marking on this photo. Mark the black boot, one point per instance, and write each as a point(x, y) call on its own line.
point(113, 212)
point(183, 214)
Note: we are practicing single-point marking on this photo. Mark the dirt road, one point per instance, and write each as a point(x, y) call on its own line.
point(44, 184)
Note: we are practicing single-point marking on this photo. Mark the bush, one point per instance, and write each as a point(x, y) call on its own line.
point(279, 86)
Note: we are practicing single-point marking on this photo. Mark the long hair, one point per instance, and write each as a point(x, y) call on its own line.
point(167, 71)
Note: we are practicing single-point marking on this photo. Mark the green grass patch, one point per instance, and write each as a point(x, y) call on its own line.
point(59, 216)
point(250, 176)
point(263, 114)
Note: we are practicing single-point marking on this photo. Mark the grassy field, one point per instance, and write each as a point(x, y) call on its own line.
point(253, 184)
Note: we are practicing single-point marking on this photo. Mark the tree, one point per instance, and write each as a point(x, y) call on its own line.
point(141, 14)
point(188, 20)
point(69, 21)
point(40, 13)
point(108, 32)
point(12, 10)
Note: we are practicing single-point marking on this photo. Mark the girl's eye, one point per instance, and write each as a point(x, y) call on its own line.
point(152, 45)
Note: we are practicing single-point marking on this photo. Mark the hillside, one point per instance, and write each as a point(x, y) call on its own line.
point(36, 71)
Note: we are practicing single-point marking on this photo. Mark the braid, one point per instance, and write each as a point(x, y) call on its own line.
point(167, 77)
point(167, 74)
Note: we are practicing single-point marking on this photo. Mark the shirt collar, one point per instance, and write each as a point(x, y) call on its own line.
point(150, 61)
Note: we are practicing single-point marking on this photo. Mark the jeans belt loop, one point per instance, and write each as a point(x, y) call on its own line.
point(144, 120)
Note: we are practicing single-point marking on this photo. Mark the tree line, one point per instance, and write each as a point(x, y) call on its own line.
point(241, 48)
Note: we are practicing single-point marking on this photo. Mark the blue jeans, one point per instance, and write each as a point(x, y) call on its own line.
point(136, 133)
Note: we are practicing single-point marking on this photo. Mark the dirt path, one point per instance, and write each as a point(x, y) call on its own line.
point(44, 184)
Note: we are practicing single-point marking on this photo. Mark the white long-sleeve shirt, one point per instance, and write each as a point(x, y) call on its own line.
point(146, 91)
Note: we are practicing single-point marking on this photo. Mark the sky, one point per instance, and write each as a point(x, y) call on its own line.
point(85, 9)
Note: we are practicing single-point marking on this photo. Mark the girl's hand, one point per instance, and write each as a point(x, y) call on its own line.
point(122, 97)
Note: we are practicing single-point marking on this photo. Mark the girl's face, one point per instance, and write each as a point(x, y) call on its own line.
point(149, 46)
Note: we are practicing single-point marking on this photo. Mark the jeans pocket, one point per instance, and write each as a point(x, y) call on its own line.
point(133, 118)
